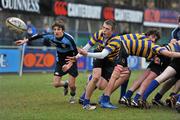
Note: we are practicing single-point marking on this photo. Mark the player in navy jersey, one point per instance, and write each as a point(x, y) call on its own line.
point(175, 34)
point(65, 46)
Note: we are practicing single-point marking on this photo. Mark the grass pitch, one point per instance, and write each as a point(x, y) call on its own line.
point(32, 97)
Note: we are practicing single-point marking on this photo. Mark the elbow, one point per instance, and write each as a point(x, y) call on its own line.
point(169, 54)
point(101, 57)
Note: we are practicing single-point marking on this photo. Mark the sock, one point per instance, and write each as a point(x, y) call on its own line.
point(152, 86)
point(123, 88)
point(90, 78)
point(83, 95)
point(176, 96)
point(73, 91)
point(65, 84)
point(86, 102)
point(105, 99)
point(158, 96)
point(128, 94)
point(178, 99)
point(136, 98)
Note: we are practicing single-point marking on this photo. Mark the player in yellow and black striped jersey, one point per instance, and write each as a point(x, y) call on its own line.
point(108, 46)
point(107, 42)
point(112, 44)
point(137, 47)
point(143, 46)
point(130, 45)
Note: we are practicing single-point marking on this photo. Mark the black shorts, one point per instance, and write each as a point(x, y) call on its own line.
point(106, 65)
point(73, 71)
point(165, 61)
point(156, 68)
point(61, 61)
point(122, 57)
point(175, 63)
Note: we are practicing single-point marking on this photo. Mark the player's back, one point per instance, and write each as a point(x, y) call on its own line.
point(139, 45)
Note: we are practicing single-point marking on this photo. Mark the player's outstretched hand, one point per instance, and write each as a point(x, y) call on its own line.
point(20, 42)
point(173, 41)
point(82, 52)
point(70, 59)
point(67, 66)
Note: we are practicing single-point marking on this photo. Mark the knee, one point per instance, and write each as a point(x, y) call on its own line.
point(100, 87)
point(56, 85)
point(95, 79)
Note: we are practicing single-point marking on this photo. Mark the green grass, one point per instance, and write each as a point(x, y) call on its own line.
point(32, 97)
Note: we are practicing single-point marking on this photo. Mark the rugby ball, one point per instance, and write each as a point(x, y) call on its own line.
point(16, 24)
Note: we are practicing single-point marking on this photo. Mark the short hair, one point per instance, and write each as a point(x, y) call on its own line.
point(153, 32)
point(59, 24)
point(112, 23)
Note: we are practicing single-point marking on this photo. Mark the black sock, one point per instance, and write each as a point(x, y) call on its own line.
point(73, 91)
point(158, 96)
point(66, 84)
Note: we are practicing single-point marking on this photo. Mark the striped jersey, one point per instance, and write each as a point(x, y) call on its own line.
point(112, 44)
point(140, 45)
point(175, 47)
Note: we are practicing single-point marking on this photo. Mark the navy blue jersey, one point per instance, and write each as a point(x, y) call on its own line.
point(65, 45)
point(176, 33)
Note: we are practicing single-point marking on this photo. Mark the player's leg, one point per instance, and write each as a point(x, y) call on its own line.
point(73, 73)
point(102, 83)
point(152, 75)
point(170, 101)
point(124, 76)
point(123, 86)
point(136, 85)
point(72, 88)
point(91, 87)
point(123, 90)
point(118, 78)
point(58, 73)
point(166, 86)
point(176, 88)
point(166, 74)
point(82, 97)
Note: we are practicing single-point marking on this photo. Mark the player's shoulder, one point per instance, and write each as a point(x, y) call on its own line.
point(68, 36)
point(99, 33)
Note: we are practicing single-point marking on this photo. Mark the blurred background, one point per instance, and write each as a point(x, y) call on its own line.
point(82, 18)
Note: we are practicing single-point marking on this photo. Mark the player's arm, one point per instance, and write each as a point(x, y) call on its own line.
point(86, 47)
point(34, 37)
point(99, 55)
point(174, 36)
point(70, 60)
point(170, 54)
point(112, 46)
